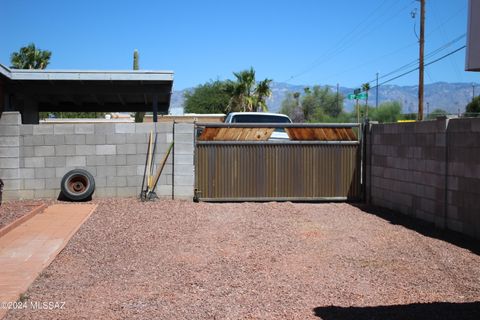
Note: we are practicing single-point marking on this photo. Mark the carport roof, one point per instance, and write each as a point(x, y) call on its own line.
point(86, 75)
point(88, 90)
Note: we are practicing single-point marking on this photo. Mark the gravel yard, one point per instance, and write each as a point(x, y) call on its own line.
point(13, 210)
point(180, 260)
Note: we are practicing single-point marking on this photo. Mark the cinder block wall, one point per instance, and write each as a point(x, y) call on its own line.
point(34, 158)
point(463, 184)
point(429, 170)
point(10, 124)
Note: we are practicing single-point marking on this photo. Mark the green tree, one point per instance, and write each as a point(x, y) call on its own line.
point(332, 103)
point(296, 95)
point(436, 113)
point(315, 105)
point(473, 108)
point(139, 116)
point(291, 107)
point(309, 103)
point(386, 112)
point(30, 57)
point(289, 104)
point(321, 102)
point(211, 97)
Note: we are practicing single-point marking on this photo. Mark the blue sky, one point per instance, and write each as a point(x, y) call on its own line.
point(299, 42)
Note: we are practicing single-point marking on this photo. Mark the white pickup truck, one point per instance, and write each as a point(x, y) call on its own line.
point(261, 117)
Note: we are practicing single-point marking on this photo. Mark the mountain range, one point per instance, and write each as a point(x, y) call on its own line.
point(452, 97)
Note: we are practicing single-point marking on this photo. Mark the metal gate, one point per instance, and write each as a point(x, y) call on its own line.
point(238, 162)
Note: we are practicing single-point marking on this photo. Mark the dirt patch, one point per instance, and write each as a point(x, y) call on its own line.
point(181, 260)
point(13, 210)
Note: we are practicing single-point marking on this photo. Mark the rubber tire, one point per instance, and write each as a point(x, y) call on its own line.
point(78, 196)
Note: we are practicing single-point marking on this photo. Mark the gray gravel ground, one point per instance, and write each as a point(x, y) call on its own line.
point(181, 260)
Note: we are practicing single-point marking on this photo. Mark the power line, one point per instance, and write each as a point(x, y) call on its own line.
point(350, 38)
point(357, 33)
point(345, 38)
point(426, 64)
point(414, 62)
point(446, 55)
point(453, 64)
point(406, 66)
point(372, 60)
point(429, 55)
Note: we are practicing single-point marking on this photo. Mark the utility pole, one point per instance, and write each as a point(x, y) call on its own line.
point(376, 93)
point(421, 62)
point(473, 91)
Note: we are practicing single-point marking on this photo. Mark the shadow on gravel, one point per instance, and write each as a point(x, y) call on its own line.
point(431, 311)
point(425, 228)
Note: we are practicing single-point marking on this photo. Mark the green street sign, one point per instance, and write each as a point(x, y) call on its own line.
point(362, 95)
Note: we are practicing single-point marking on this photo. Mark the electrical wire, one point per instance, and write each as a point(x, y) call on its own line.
point(408, 65)
point(453, 64)
point(427, 56)
point(348, 40)
point(425, 65)
point(372, 60)
point(352, 37)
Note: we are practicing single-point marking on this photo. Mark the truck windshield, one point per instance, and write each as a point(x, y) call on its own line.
point(251, 118)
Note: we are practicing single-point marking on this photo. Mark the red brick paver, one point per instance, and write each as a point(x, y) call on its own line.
point(26, 250)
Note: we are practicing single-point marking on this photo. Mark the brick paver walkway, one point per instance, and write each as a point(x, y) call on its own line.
point(28, 249)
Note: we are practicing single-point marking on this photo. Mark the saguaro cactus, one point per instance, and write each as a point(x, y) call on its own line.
point(138, 115)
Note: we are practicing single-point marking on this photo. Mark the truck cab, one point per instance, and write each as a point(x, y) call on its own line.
point(261, 117)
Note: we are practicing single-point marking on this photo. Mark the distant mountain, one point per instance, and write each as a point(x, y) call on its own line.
point(451, 97)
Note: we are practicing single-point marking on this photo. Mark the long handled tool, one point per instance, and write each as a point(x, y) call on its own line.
point(149, 162)
point(150, 181)
point(143, 192)
point(151, 192)
point(152, 161)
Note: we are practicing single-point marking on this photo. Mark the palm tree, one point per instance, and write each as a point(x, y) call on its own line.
point(262, 91)
point(366, 88)
point(236, 92)
point(245, 84)
point(245, 94)
point(30, 57)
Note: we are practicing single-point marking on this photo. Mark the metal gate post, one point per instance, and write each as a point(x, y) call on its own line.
point(363, 161)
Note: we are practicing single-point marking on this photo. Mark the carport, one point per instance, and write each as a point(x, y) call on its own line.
point(34, 91)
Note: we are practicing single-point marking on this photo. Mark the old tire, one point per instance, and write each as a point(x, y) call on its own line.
point(77, 185)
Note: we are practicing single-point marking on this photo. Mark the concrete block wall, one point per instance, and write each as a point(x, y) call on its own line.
point(9, 153)
point(184, 165)
point(412, 168)
point(463, 172)
point(35, 157)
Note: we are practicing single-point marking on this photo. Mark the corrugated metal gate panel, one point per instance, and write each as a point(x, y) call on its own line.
point(277, 171)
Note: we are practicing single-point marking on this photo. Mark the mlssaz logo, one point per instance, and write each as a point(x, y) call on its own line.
point(47, 305)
